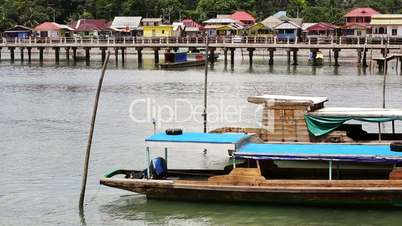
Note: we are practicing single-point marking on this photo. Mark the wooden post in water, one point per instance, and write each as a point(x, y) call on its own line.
point(204, 114)
point(91, 132)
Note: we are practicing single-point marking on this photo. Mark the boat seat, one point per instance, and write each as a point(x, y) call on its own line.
point(239, 176)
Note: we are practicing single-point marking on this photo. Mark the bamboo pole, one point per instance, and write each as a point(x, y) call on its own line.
point(91, 131)
point(204, 114)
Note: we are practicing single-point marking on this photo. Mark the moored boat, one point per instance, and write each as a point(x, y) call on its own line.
point(316, 59)
point(180, 60)
point(256, 178)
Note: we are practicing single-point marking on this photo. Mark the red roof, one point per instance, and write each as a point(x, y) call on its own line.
point(191, 23)
point(89, 25)
point(51, 26)
point(242, 16)
point(321, 27)
point(361, 12)
point(355, 25)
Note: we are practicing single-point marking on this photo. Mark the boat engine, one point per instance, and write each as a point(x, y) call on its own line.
point(158, 168)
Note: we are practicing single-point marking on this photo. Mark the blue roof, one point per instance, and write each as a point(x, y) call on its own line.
point(335, 152)
point(215, 138)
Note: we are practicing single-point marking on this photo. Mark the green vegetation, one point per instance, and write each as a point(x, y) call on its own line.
point(32, 12)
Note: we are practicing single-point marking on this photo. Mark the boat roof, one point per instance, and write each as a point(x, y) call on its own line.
point(282, 98)
point(334, 152)
point(191, 137)
point(358, 112)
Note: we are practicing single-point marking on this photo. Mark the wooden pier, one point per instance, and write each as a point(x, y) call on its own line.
point(225, 44)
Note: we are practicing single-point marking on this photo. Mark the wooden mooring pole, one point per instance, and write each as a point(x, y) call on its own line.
point(204, 113)
point(91, 132)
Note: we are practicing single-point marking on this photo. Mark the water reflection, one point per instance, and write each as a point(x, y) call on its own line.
point(136, 208)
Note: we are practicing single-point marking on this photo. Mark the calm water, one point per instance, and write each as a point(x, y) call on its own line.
point(44, 119)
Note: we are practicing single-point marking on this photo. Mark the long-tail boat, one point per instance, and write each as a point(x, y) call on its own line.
point(180, 60)
point(262, 165)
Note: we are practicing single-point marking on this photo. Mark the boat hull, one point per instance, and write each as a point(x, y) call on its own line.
point(195, 63)
point(375, 193)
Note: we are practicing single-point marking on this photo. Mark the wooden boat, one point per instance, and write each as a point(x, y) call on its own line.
point(257, 179)
point(180, 60)
point(316, 59)
point(189, 63)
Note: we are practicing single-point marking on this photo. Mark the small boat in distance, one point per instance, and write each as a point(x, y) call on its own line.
point(180, 60)
point(316, 59)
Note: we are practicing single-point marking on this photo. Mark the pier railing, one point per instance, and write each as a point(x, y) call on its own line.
point(261, 40)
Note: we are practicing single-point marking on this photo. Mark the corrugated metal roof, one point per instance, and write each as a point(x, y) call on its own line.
point(223, 16)
point(271, 21)
point(219, 21)
point(287, 25)
point(123, 22)
point(151, 20)
point(305, 26)
point(386, 19)
point(242, 16)
point(361, 12)
point(52, 26)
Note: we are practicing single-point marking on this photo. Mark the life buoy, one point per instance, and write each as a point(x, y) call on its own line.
point(174, 131)
point(396, 146)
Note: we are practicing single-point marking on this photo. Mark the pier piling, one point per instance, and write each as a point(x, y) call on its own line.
point(74, 54)
point(271, 56)
point(41, 54)
point(12, 58)
point(212, 55)
point(87, 55)
point(67, 49)
point(364, 59)
point(29, 51)
point(103, 53)
point(250, 55)
point(123, 56)
point(22, 54)
point(232, 52)
point(336, 56)
point(56, 54)
point(295, 56)
point(116, 55)
point(225, 56)
point(156, 55)
point(139, 55)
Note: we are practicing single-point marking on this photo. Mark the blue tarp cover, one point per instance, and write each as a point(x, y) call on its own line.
point(335, 152)
point(216, 138)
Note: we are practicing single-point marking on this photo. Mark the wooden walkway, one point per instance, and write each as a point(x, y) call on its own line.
point(156, 44)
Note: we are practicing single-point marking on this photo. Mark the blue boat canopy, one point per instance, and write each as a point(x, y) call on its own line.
point(327, 152)
point(213, 138)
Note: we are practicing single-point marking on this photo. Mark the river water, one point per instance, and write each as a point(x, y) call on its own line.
point(44, 118)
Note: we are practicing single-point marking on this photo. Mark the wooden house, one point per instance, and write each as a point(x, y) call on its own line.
point(18, 31)
point(243, 17)
point(192, 28)
point(223, 27)
point(320, 29)
point(259, 29)
point(357, 22)
point(153, 27)
point(126, 26)
point(91, 28)
point(288, 30)
point(387, 25)
point(53, 30)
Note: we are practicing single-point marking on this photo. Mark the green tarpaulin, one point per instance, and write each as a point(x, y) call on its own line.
point(322, 125)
